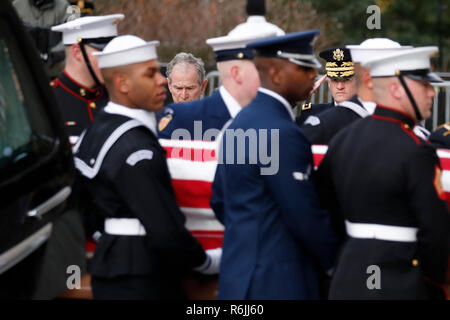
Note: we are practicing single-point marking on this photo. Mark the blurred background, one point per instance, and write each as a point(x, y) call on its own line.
point(184, 25)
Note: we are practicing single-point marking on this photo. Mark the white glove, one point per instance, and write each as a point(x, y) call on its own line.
point(212, 262)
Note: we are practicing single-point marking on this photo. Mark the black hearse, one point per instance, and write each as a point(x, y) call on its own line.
point(36, 168)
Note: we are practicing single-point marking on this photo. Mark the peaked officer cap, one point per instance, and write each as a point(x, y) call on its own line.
point(339, 64)
point(297, 47)
point(96, 31)
point(413, 63)
point(375, 47)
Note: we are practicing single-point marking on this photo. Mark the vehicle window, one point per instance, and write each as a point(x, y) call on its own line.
point(26, 136)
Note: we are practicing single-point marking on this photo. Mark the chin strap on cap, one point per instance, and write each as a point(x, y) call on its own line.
point(411, 98)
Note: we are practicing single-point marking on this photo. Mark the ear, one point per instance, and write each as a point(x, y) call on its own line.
point(203, 86)
point(122, 83)
point(76, 52)
point(276, 75)
point(367, 80)
point(235, 72)
point(396, 90)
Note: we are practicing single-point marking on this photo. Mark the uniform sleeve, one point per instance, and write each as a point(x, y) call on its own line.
point(429, 206)
point(217, 202)
point(323, 181)
point(313, 132)
point(294, 191)
point(143, 183)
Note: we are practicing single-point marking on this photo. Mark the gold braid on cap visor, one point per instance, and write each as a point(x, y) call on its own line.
point(346, 69)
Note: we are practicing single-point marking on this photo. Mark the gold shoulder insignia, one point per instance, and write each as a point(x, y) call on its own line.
point(445, 126)
point(164, 121)
point(306, 106)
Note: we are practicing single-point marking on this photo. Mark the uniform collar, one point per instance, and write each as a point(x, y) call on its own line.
point(275, 95)
point(232, 105)
point(389, 113)
point(78, 88)
point(148, 118)
point(368, 105)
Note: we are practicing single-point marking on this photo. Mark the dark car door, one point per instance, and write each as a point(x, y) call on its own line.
point(36, 168)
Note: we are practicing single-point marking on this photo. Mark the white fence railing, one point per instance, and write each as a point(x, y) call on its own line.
point(441, 102)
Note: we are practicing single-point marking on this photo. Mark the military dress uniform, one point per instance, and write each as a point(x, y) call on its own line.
point(396, 218)
point(191, 183)
point(124, 170)
point(188, 131)
point(440, 137)
point(79, 105)
point(339, 65)
point(321, 128)
point(309, 109)
point(276, 236)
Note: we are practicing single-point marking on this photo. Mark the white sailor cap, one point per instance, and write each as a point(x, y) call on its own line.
point(125, 50)
point(232, 46)
point(375, 47)
point(413, 63)
point(96, 31)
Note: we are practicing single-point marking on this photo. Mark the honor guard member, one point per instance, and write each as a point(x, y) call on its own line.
point(277, 239)
point(382, 184)
point(188, 130)
point(341, 83)
point(79, 88)
point(320, 128)
point(188, 133)
point(145, 246)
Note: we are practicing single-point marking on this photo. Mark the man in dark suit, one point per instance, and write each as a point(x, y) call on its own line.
point(340, 79)
point(194, 126)
point(382, 184)
point(145, 247)
point(277, 239)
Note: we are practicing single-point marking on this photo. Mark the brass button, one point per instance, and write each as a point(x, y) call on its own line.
point(240, 55)
point(82, 92)
point(52, 83)
point(92, 105)
point(415, 262)
point(406, 126)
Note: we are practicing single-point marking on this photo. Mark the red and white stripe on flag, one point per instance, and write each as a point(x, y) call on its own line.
point(444, 157)
point(319, 152)
point(192, 166)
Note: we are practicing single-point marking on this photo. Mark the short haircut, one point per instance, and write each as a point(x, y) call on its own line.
point(187, 58)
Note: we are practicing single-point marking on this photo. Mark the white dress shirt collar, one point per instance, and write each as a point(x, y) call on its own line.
point(232, 105)
point(279, 98)
point(148, 118)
